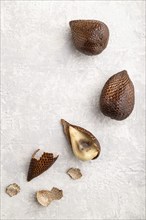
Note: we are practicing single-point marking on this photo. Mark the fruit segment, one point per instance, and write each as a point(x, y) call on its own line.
point(84, 145)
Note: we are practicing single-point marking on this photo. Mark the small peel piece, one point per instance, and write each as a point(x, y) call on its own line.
point(56, 193)
point(45, 197)
point(38, 166)
point(12, 189)
point(84, 144)
point(74, 173)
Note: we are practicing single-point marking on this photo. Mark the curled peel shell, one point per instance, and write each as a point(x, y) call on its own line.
point(12, 189)
point(89, 36)
point(117, 96)
point(84, 145)
point(45, 197)
point(38, 166)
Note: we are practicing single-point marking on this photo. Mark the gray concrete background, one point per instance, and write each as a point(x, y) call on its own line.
point(45, 79)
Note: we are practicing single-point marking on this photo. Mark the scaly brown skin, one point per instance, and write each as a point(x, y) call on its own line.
point(37, 167)
point(89, 36)
point(66, 125)
point(117, 97)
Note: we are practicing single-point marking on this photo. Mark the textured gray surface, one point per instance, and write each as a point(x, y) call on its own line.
point(45, 79)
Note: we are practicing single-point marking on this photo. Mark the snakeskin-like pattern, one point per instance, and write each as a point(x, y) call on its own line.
point(89, 36)
point(37, 167)
point(117, 96)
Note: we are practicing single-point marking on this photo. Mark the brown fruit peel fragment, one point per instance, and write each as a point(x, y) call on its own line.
point(12, 189)
point(38, 166)
point(66, 125)
point(45, 197)
point(74, 173)
point(84, 144)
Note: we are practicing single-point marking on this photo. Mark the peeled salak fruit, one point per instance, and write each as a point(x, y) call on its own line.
point(89, 36)
point(117, 97)
point(84, 145)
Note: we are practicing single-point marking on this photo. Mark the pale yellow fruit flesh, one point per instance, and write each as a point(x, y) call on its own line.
point(82, 153)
